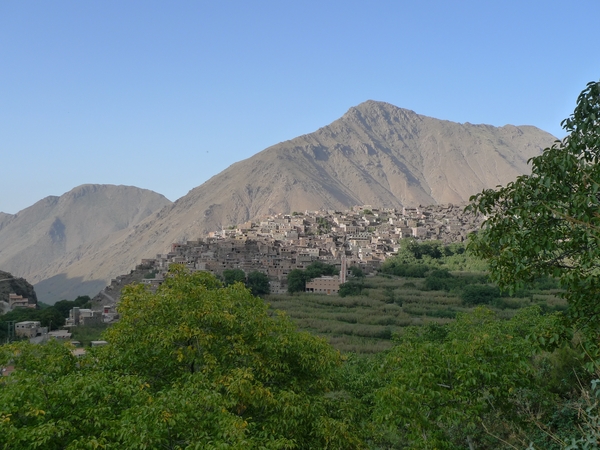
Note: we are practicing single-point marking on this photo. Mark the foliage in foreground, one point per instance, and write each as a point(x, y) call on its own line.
point(547, 223)
point(199, 365)
point(452, 387)
point(195, 365)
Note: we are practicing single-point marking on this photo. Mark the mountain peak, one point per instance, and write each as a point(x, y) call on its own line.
point(375, 154)
point(376, 105)
point(371, 111)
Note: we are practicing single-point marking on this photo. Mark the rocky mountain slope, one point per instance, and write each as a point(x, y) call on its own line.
point(375, 154)
point(36, 238)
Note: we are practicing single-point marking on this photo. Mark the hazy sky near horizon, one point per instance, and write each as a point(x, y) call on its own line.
point(164, 95)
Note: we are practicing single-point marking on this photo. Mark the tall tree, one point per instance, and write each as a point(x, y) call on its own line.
point(258, 283)
point(296, 281)
point(448, 387)
point(548, 223)
point(231, 276)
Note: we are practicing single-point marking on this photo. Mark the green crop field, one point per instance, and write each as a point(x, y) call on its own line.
point(367, 323)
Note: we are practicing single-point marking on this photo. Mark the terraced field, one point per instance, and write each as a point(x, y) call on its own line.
point(367, 323)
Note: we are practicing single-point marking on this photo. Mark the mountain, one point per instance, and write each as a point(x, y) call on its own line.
point(36, 238)
point(375, 154)
point(4, 218)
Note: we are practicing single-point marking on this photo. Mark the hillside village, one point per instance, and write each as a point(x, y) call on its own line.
point(365, 236)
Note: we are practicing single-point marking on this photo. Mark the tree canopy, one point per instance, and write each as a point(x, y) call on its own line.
point(200, 365)
point(548, 222)
point(231, 276)
point(451, 387)
point(194, 365)
point(258, 283)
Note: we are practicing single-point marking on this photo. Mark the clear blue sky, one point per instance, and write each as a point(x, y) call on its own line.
point(164, 95)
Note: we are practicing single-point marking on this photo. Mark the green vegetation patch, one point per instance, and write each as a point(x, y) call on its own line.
point(370, 311)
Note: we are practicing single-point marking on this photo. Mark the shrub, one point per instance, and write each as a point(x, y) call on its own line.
point(479, 294)
point(350, 288)
point(405, 270)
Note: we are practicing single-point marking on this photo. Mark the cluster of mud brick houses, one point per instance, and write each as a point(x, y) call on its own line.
point(364, 236)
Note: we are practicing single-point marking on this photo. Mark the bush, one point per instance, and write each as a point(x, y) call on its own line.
point(479, 294)
point(507, 303)
point(443, 313)
point(439, 280)
point(350, 288)
point(406, 270)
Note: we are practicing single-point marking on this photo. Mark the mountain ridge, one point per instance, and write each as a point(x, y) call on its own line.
point(375, 153)
point(37, 237)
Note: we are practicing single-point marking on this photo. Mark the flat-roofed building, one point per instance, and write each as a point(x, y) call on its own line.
point(324, 285)
point(28, 328)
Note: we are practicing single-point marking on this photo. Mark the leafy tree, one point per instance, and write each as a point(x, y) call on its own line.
point(194, 365)
point(231, 276)
point(394, 267)
point(479, 294)
point(432, 249)
point(65, 306)
point(51, 318)
point(351, 288)
point(324, 226)
point(453, 387)
point(356, 271)
point(88, 333)
point(317, 269)
point(258, 283)
point(435, 254)
point(438, 280)
point(296, 281)
point(415, 250)
point(547, 223)
point(51, 402)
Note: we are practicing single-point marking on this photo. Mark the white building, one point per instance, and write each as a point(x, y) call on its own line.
point(29, 328)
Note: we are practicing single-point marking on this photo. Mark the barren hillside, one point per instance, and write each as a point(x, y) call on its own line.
point(375, 154)
point(36, 238)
